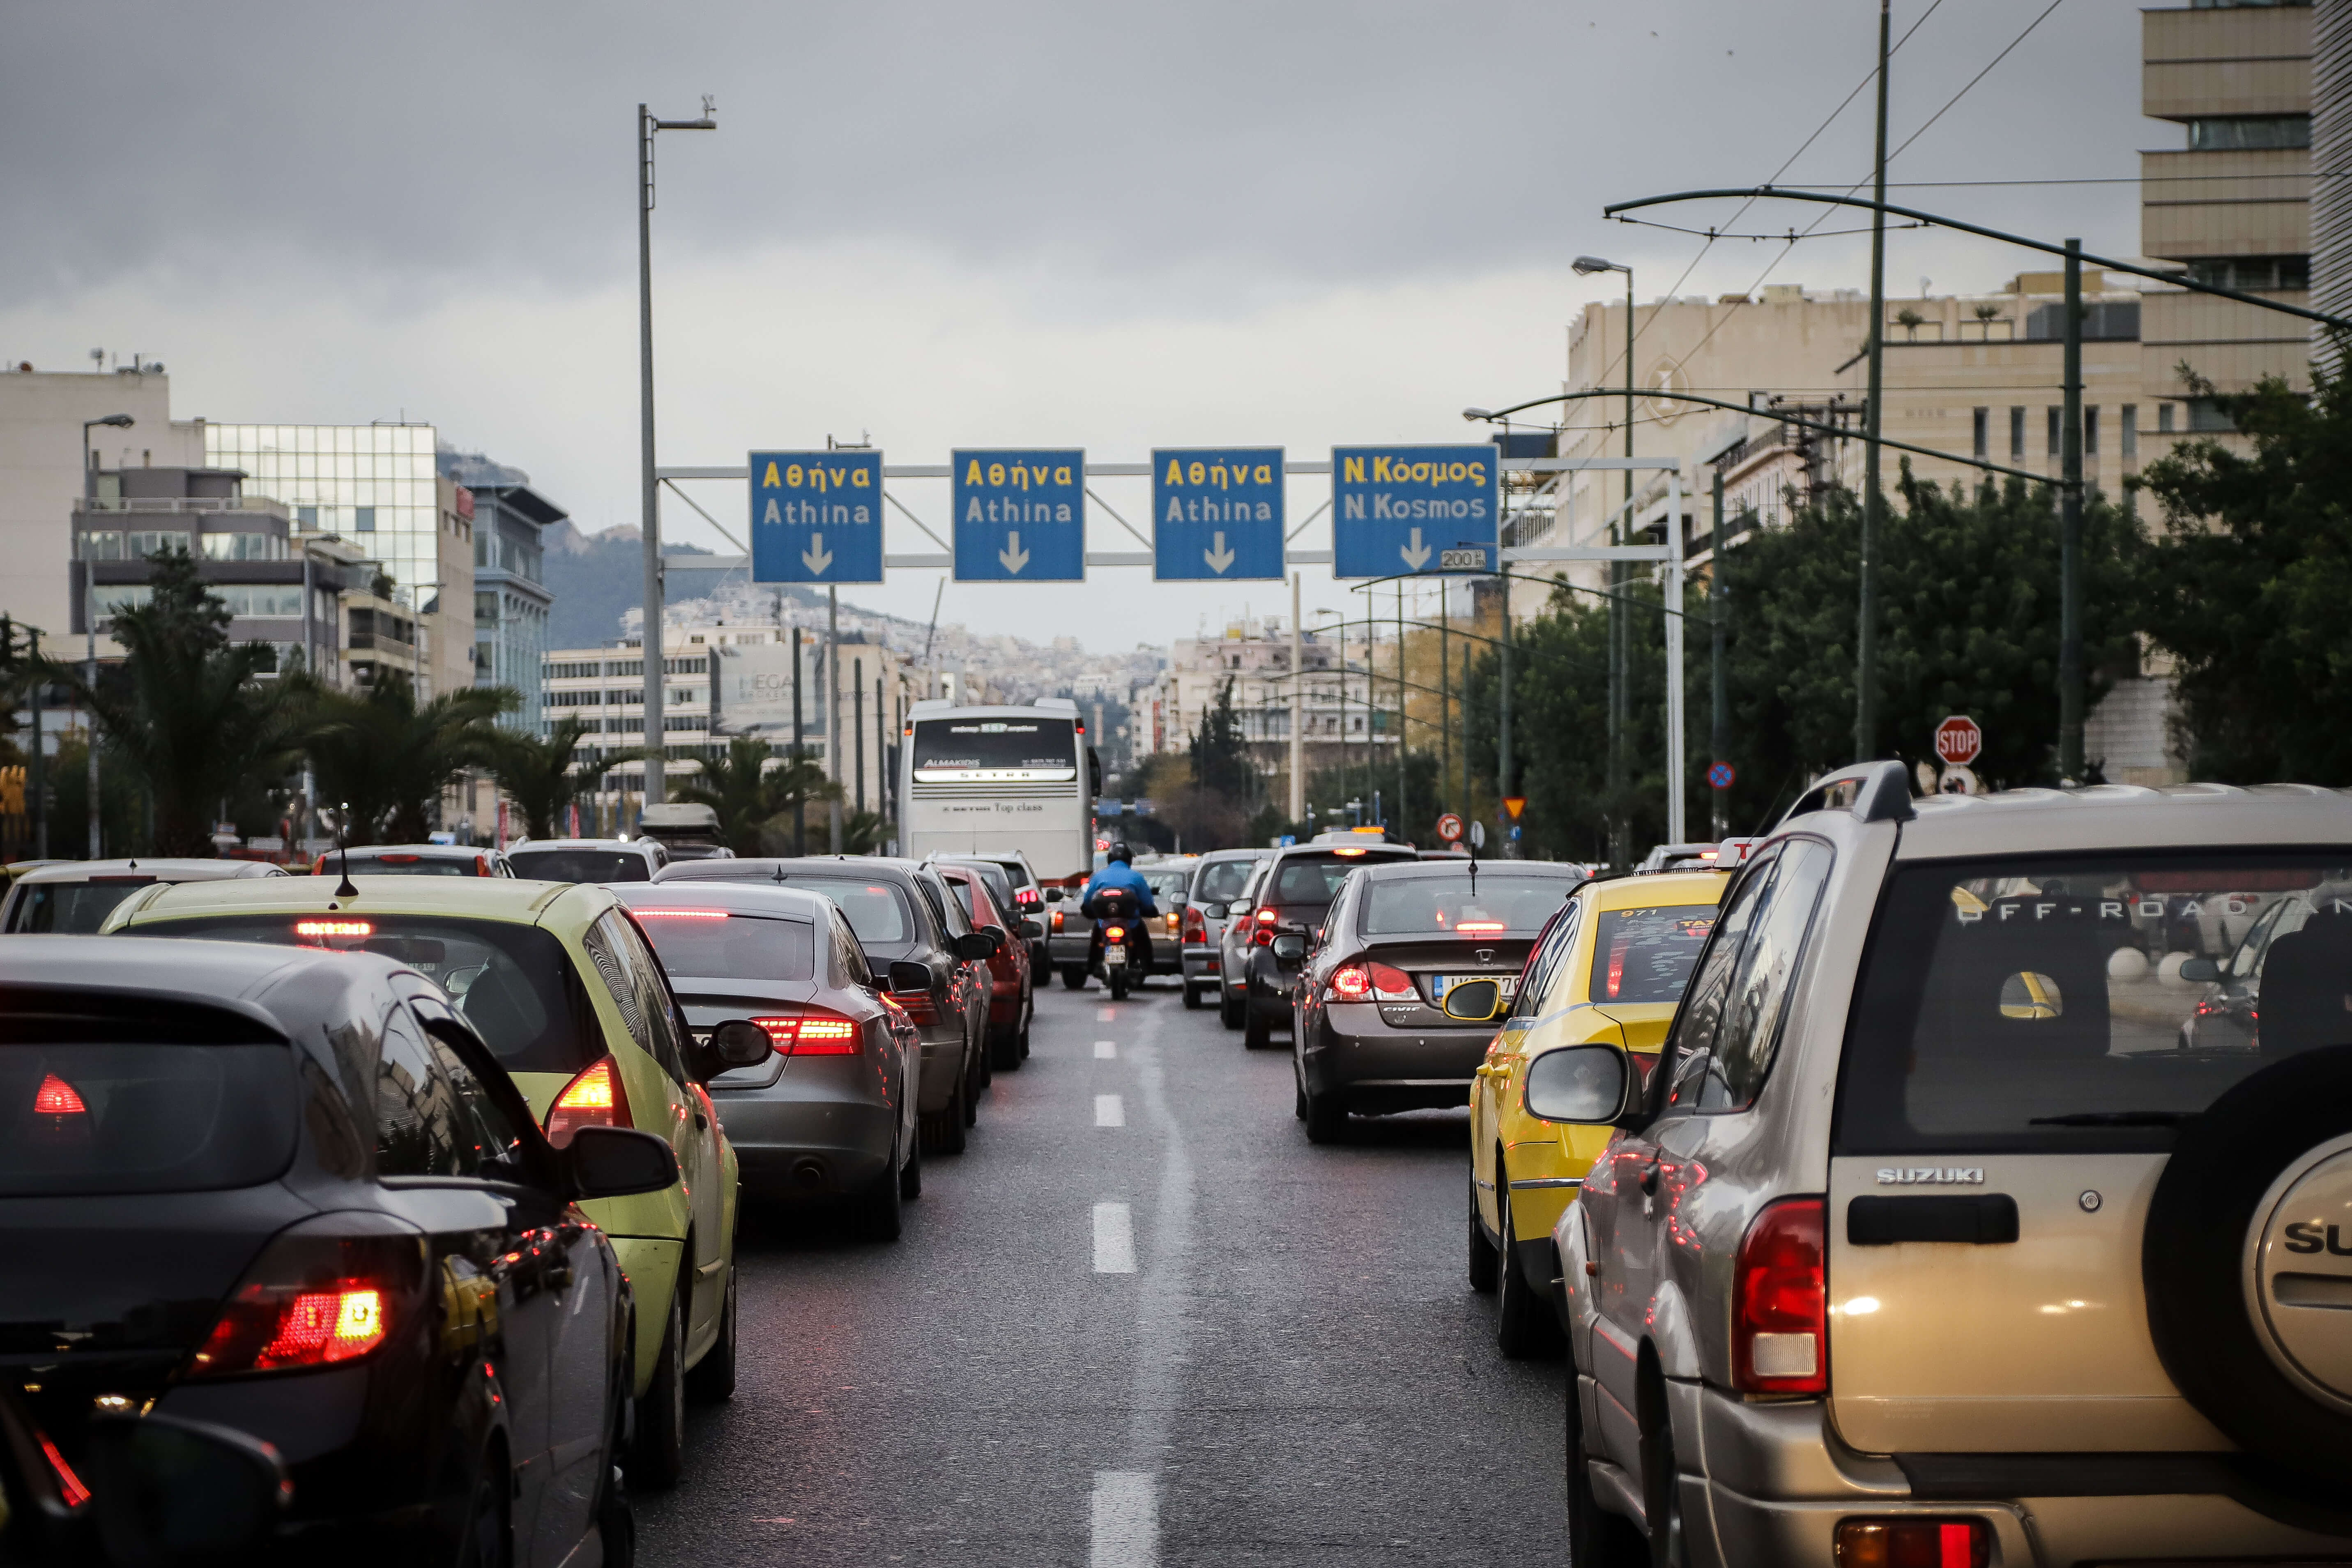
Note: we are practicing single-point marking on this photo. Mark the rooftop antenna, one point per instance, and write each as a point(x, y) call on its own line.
point(344, 889)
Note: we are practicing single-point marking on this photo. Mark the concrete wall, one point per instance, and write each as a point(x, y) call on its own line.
point(41, 415)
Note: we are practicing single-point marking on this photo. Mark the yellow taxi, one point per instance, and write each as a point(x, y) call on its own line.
point(564, 987)
point(1611, 967)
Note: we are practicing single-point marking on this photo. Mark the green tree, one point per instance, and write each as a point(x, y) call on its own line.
point(185, 715)
point(387, 758)
point(541, 776)
point(749, 794)
point(862, 833)
point(2249, 580)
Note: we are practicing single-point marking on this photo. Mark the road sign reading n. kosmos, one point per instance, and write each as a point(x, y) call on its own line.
point(1958, 740)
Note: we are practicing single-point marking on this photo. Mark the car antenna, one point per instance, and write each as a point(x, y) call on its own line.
point(344, 889)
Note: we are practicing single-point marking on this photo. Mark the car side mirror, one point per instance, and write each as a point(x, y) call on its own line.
point(1178, 900)
point(1289, 947)
point(975, 945)
point(619, 1161)
point(906, 974)
point(169, 1491)
point(1215, 911)
point(2196, 969)
point(1032, 929)
point(1581, 1084)
point(1474, 1001)
point(740, 1043)
point(1053, 895)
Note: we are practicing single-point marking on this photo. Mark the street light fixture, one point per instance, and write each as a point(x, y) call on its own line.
point(1619, 850)
point(89, 614)
point(656, 741)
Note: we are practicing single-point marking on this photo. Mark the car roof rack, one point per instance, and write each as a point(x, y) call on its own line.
point(1874, 792)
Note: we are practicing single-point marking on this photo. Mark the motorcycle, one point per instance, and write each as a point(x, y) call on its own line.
point(1120, 950)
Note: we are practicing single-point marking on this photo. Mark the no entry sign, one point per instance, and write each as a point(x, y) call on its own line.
point(1958, 740)
point(1449, 827)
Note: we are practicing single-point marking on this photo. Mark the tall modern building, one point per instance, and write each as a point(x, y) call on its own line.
point(509, 594)
point(372, 484)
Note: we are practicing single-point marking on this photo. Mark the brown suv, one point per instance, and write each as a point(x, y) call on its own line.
point(1293, 893)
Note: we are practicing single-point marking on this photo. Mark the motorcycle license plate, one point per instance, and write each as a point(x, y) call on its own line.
point(1440, 984)
point(1114, 958)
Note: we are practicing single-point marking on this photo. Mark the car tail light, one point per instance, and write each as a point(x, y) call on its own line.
point(1391, 983)
point(399, 859)
point(1616, 967)
point(920, 1010)
point(1349, 982)
point(1196, 927)
point(1780, 1314)
point(1058, 920)
point(595, 1098)
point(680, 914)
point(815, 1033)
point(56, 1097)
point(328, 930)
point(1266, 914)
point(1263, 936)
point(1172, 918)
point(319, 1295)
point(1913, 1544)
point(1027, 898)
point(71, 1492)
point(1483, 927)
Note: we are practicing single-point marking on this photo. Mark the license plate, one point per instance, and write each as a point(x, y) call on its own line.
point(1114, 958)
point(1440, 984)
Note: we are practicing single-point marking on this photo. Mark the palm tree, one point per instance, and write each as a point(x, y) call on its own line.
point(862, 832)
point(539, 776)
point(387, 759)
point(186, 712)
point(748, 793)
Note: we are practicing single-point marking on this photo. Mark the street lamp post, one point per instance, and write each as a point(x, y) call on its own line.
point(89, 617)
point(656, 741)
point(1618, 533)
point(1873, 510)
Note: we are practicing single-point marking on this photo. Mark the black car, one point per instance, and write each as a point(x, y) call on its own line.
point(292, 1193)
point(902, 913)
point(1369, 1035)
point(831, 1115)
point(1292, 894)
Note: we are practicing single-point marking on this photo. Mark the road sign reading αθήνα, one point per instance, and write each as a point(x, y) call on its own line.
point(1449, 827)
point(1958, 740)
point(1720, 776)
point(1020, 516)
point(816, 517)
point(1515, 803)
point(1396, 510)
point(1217, 513)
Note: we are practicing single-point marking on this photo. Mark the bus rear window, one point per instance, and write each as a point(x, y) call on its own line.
point(995, 751)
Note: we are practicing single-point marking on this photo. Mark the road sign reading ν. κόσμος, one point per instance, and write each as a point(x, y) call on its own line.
point(1400, 510)
point(816, 517)
point(1020, 516)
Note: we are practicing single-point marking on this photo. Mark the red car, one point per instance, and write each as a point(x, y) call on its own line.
point(1011, 1001)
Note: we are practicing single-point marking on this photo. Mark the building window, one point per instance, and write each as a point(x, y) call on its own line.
point(2091, 432)
point(362, 519)
point(2053, 412)
point(2253, 274)
point(2249, 133)
point(2205, 417)
point(2164, 419)
point(2130, 421)
point(307, 516)
point(1981, 421)
point(2017, 434)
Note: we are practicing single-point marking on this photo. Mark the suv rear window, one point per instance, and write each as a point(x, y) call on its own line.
point(580, 864)
point(1221, 881)
point(1305, 879)
point(2086, 1003)
point(76, 909)
point(98, 1116)
point(513, 983)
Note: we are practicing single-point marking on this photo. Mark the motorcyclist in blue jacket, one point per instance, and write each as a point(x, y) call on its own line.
point(1119, 871)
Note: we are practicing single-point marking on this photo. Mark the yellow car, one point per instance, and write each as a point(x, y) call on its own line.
point(563, 986)
point(1611, 968)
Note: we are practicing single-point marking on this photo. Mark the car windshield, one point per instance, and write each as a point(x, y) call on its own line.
point(2087, 1003)
point(580, 864)
point(81, 1119)
point(1489, 906)
point(1646, 955)
point(876, 911)
point(722, 944)
point(513, 983)
point(70, 907)
point(1221, 881)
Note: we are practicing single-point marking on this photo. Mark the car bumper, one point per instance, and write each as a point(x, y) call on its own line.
point(805, 1144)
point(1355, 1058)
point(1201, 964)
point(1776, 1481)
point(1070, 952)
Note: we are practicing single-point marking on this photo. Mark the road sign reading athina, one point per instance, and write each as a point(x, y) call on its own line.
point(1020, 516)
point(1398, 511)
point(816, 517)
point(1217, 513)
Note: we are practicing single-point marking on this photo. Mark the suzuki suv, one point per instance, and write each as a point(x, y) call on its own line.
point(1951, 1227)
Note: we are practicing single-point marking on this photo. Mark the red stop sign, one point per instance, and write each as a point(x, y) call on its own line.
point(1958, 740)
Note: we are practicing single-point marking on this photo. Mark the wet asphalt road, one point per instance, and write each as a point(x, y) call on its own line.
point(1295, 1371)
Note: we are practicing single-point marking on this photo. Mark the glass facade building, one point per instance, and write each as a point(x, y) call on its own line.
point(372, 484)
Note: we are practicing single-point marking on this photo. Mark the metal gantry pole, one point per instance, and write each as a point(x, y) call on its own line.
point(649, 500)
point(1405, 721)
point(1503, 729)
point(833, 714)
point(1620, 628)
point(1865, 669)
point(1445, 697)
point(1719, 594)
point(1297, 710)
point(2070, 533)
point(1677, 739)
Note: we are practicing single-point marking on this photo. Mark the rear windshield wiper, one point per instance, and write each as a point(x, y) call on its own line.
point(2112, 1119)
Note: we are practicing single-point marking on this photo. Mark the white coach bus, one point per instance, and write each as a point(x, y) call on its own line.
point(992, 780)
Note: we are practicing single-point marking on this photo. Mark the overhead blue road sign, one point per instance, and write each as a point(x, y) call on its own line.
point(1399, 510)
point(1217, 513)
point(1020, 517)
point(816, 517)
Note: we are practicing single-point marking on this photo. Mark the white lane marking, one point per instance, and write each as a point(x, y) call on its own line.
point(1106, 1051)
point(1125, 1533)
point(1106, 1015)
point(1108, 1112)
point(1114, 1239)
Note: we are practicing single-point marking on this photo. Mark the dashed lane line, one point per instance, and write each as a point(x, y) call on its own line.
point(1106, 1051)
point(1114, 1239)
point(1126, 1527)
point(1108, 1112)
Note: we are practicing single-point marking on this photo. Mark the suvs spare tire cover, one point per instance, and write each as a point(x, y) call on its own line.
point(2247, 1263)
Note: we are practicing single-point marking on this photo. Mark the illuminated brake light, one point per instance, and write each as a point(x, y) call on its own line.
point(56, 1097)
point(1616, 967)
point(1468, 926)
point(1913, 1543)
point(71, 1490)
point(812, 1035)
point(1266, 915)
point(1391, 983)
point(595, 1098)
point(680, 914)
point(1114, 933)
point(1058, 920)
point(1349, 983)
point(320, 1327)
point(1347, 851)
point(1196, 926)
point(399, 859)
point(321, 931)
point(1780, 1313)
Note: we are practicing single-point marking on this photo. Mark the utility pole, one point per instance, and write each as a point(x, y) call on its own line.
point(1403, 722)
point(1718, 603)
point(1865, 669)
point(37, 774)
point(833, 711)
point(656, 740)
point(2070, 533)
point(1297, 712)
point(1503, 732)
point(1445, 697)
point(800, 802)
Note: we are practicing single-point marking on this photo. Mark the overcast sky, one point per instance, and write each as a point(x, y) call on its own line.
point(1107, 226)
